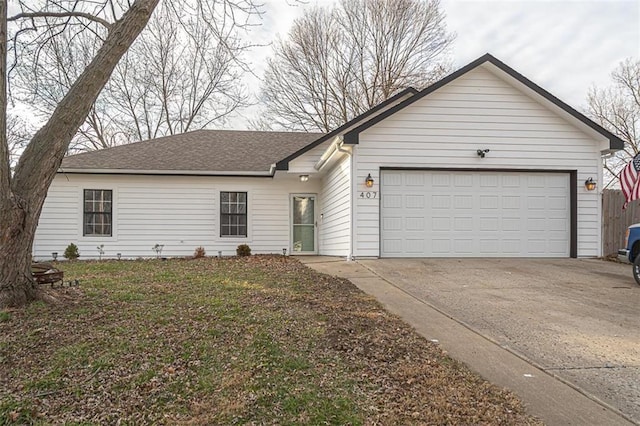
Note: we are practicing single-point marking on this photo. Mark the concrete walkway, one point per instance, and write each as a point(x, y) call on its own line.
point(544, 396)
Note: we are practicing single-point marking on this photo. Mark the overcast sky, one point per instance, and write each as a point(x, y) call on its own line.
point(564, 46)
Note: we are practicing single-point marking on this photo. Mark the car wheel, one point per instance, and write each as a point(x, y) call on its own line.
point(636, 269)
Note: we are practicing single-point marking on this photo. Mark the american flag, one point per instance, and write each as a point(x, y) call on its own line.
point(630, 181)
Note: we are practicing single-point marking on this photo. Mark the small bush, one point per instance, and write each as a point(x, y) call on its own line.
point(199, 253)
point(4, 316)
point(71, 252)
point(243, 250)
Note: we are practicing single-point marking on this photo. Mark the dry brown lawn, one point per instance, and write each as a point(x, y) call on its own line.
point(256, 340)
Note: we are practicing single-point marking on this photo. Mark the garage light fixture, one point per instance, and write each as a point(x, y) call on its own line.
point(304, 178)
point(482, 152)
point(590, 184)
point(368, 181)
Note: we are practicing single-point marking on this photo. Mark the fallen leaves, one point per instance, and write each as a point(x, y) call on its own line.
point(259, 339)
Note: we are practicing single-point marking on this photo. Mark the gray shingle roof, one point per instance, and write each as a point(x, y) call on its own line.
point(198, 151)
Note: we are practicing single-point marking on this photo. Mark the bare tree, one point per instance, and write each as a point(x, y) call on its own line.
point(115, 26)
point(617, 108)
point(18, 134)
point(181, 74)
point(339, 62)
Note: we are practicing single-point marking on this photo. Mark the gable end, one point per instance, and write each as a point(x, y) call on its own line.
point(284, 163)
point(615, 143)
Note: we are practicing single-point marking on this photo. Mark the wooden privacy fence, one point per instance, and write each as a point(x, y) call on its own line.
point(615, 221)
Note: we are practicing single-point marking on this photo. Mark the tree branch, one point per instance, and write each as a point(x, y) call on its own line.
point(70, 14)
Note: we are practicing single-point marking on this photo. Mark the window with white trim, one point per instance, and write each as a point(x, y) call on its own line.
point(233, 214)
point(98, 213)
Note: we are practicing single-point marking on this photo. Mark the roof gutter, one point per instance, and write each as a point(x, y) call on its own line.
point(335, 146)
point(268, 173)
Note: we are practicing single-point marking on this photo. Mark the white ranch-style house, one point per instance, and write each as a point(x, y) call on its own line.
point(483, 163)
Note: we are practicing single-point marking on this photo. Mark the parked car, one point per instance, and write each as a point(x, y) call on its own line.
point(631, 252)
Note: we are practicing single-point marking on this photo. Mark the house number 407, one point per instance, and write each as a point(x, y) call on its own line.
point(369, 194)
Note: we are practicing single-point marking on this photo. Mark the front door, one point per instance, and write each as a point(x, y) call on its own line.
point(303, 224)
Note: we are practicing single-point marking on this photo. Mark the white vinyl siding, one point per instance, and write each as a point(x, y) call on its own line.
point(477, 111)
point(306, 162)
point(180, 212)
point(335, 220)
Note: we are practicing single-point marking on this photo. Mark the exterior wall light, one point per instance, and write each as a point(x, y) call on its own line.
point(368, 181)
point(590, 184)
point(482, 152)
point(304, 178)
point(54, 255)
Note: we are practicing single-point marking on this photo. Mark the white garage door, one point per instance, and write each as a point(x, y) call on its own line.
point(474, 214)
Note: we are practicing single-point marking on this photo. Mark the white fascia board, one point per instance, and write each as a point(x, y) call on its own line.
point(167, 172)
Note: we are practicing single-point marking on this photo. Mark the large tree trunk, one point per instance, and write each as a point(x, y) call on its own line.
point(22, 197)
point(16, 285)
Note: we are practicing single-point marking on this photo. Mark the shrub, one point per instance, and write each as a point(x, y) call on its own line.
point(243, 250)
point(71, 252)
point(158, 249)
point(199, 253)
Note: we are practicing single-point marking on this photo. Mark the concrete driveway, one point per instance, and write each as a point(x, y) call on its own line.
point(576, 319)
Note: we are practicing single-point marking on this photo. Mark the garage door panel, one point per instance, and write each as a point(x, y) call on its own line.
point(536, 225)
point(463, 202)
point(414, 202)
point(414, 223)
point(510, 202)
point(536, 202)
point(489, 246)
point(415, 179)
point(556, 181)
point(414, 246)
point(392, 179)
point(392, 224)
point(536, 247)
point(536, 182)
point(441, 202)
point(491, 202)
point(558, 225)
point(440, 224)
point(557, 203)
point(392, 201)
point(510, 181)
point(441, 245)
point(489, 181)
point(490, 224)
point(462, 246)
point(462, 224)
point(442, 214)
point(462, 180)
point(440, 180)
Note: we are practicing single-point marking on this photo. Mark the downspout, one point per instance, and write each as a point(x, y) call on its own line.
point(349, 151)
point(338, 146)
point(352, 231)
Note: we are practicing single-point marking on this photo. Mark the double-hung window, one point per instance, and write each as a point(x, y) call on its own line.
point(98, 213)
point(233, 214)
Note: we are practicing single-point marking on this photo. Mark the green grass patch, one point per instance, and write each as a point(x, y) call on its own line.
point(258, 340)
